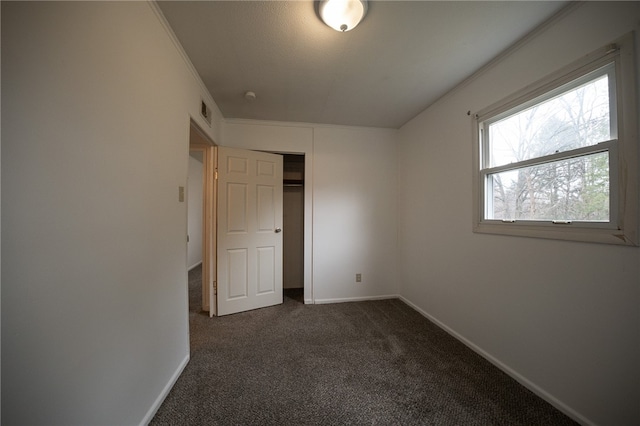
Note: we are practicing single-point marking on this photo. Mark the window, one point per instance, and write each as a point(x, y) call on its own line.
point(560, 159)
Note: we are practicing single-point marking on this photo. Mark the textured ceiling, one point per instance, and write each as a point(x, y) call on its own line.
point(399, 60)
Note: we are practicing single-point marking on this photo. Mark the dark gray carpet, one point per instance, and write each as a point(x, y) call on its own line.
point(365, 363)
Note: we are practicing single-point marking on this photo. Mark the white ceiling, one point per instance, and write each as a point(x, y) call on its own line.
point(399, 60)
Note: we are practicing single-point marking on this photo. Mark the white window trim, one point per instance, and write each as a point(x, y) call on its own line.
point(624, 190)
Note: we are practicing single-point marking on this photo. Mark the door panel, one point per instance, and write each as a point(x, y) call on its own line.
point(266, 271)
point(238, 267)
point(249, 237)
point(237, 194)
point(266, 208)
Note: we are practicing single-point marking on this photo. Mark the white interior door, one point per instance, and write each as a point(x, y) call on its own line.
point(249, 230)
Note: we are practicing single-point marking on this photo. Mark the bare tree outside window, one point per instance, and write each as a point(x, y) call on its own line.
point(572, 189)
point(559, 158)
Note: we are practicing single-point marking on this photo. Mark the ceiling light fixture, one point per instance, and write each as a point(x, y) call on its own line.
point(342, 15)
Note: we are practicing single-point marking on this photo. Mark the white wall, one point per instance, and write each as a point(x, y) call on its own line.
point(350, 213)
point(564, 317)
point(95, 145)
point(194, 207)
point(354, 213)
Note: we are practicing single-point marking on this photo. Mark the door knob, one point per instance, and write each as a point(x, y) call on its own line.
point(278, 230)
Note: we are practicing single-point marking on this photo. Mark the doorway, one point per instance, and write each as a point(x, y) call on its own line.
point(195, 228)
point(204, 152)
point(201, 199)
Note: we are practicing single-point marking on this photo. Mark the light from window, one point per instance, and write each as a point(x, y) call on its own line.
point(573, 188)
point(559, 160)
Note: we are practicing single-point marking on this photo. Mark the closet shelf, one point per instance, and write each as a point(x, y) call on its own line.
point(293, 182)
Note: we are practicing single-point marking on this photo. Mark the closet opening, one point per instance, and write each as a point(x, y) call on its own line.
point(293, 226)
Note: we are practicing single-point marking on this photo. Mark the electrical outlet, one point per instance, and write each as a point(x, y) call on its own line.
point(358, 278)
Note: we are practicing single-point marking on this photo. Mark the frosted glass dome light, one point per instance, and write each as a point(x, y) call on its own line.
point(342, 15)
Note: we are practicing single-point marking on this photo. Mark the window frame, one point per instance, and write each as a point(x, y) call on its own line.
point(622, 227)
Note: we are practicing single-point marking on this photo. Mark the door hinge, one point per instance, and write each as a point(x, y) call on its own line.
point(215, 287)
point(215, 175)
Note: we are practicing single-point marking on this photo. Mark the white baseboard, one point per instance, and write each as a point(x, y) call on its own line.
point(514, 374)
point(165, 391)
point(355, 299)
point(194, 266)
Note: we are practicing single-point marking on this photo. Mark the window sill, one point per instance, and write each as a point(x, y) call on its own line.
point(558, 232)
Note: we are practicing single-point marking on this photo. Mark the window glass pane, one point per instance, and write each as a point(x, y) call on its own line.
point(573, 189)
point(574, 119)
